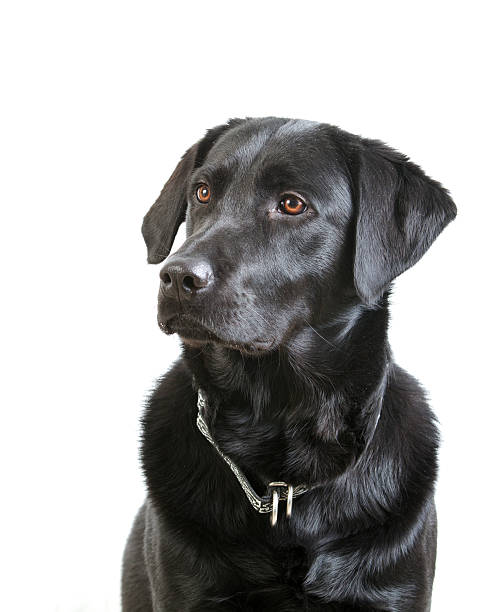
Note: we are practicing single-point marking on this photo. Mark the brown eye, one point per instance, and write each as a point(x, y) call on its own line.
point(203, 194)
point(291, 205)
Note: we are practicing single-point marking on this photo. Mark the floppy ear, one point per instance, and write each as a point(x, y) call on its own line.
point(162, 221)
point(401, 211)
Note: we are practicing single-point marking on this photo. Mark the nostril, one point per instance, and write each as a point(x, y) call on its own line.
point(166, 280)
point(189, 283)
point(180, 278)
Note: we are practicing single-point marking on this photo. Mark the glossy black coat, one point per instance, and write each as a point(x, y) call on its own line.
point(288, 338)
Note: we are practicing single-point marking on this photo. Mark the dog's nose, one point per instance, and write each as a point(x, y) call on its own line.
point(185, 277)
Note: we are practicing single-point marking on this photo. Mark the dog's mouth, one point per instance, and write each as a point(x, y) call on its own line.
point(188, 328)
point(195, 333)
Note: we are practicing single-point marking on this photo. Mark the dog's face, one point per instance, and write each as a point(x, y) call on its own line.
point(289, 224)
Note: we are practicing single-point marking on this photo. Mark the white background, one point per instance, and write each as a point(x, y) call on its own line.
point(100, 99)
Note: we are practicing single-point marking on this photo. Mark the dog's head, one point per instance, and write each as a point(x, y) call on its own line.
point(287, 222)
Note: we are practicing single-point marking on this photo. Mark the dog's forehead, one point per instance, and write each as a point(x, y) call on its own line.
point(259, 141)
point(279, 154)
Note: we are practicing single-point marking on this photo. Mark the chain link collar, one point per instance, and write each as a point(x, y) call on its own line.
point(278, 490)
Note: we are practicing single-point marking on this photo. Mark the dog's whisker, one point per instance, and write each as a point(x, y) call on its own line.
point(321, 336)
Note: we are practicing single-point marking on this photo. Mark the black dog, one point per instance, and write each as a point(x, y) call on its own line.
point(295, 231)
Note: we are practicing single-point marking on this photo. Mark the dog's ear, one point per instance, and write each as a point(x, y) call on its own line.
point(400, 213)
point(162, 221)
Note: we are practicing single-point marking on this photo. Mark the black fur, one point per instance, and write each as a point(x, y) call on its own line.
point(289, 342)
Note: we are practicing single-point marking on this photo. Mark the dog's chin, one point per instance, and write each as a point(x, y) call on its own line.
point(194, 333)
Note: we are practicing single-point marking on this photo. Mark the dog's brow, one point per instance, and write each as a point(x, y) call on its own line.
point(216, 175)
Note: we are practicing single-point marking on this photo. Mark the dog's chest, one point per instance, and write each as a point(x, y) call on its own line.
point(259, 448)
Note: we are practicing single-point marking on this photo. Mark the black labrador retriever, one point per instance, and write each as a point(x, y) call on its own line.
point(290, 463)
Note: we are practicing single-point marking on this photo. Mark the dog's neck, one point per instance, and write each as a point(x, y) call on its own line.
point(317, 391)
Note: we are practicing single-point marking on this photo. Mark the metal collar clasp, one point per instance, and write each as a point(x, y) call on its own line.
point(277, 495)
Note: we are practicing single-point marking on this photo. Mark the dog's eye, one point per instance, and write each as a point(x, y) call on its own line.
point(291, 205)
point(203, 194)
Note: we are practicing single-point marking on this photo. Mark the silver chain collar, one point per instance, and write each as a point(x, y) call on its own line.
point(279, 490)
